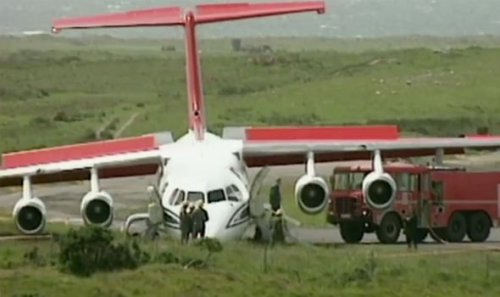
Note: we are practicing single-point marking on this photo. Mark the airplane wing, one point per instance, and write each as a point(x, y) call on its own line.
point(289, 145)
point(114, 158)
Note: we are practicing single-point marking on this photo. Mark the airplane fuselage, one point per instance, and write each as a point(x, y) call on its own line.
point(210, 170)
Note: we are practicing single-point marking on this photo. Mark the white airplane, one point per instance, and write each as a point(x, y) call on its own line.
point(204, 166)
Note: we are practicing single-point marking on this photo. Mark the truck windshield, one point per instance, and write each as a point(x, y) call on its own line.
point(348, 181)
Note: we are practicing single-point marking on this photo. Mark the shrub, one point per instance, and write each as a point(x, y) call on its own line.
point(91, 249)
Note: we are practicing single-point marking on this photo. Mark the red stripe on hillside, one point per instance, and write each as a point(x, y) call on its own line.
point(78, 151)
point(323, 133)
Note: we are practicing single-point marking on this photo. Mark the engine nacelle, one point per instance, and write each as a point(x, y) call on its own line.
point(97, 209)
point(30, 215)
point(311, 194)
point(379, 190)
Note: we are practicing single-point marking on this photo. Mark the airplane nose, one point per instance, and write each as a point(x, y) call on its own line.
point(218, 218)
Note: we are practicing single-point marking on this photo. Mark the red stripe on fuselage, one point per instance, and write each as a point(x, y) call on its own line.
point(323, 133)
point(79, 151)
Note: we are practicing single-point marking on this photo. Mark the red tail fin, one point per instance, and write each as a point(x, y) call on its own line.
point(172, 16)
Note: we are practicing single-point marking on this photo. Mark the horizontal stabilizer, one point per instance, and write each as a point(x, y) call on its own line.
point(85, 150)
point(259, 134)
point(224, 12)
point(172, 16)
point(168, 16)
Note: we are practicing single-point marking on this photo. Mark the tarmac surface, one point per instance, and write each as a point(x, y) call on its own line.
point(63, 202)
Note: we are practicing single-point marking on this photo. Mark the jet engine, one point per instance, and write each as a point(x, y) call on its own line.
point(97, 208)
point(379, 188)
point(311, 194)
point(30, 215)
point(311, 191)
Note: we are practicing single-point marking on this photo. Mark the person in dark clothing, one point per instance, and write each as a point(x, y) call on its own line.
point(191, 209)
point(411, 225)
point(200, 218)
point(275, 196)
point(186, 222)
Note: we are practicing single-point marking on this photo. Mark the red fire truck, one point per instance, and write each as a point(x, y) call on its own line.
point(451, 202)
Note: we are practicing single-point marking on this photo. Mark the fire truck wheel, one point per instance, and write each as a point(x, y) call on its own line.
point(457, 227)
point(389, 229)
point(351, 232)
point(478, 227)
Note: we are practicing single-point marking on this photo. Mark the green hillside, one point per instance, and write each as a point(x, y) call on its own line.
point(52, 96)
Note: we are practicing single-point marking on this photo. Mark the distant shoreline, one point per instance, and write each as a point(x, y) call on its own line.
point(42, 42)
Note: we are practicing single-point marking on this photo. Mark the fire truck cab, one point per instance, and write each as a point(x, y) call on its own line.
point(450, 202)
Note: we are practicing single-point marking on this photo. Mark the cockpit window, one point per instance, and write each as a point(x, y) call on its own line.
point(216, 196)
point(233, 193)
point(195, 196)
point(177, 197)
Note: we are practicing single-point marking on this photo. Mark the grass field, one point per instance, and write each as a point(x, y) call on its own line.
point(239, 271)
point(57, 91)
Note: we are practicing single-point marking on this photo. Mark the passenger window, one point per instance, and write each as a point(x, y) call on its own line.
point(233, 193)
point(216, 196)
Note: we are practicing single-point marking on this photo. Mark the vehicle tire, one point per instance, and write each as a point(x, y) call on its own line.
point(389, 229)
point(421, 234)
point(478, 227)
point(351, 232)
point(457, 227)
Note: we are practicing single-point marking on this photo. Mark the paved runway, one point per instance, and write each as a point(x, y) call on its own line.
point(63, 202)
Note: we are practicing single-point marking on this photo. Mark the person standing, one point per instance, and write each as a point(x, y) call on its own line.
point(191, 209)
point(200, 218)
point(414, 228)
point(185, 222)
point(275, 196)
point(410, 226)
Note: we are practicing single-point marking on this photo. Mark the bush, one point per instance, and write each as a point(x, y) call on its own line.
point(91, 249)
